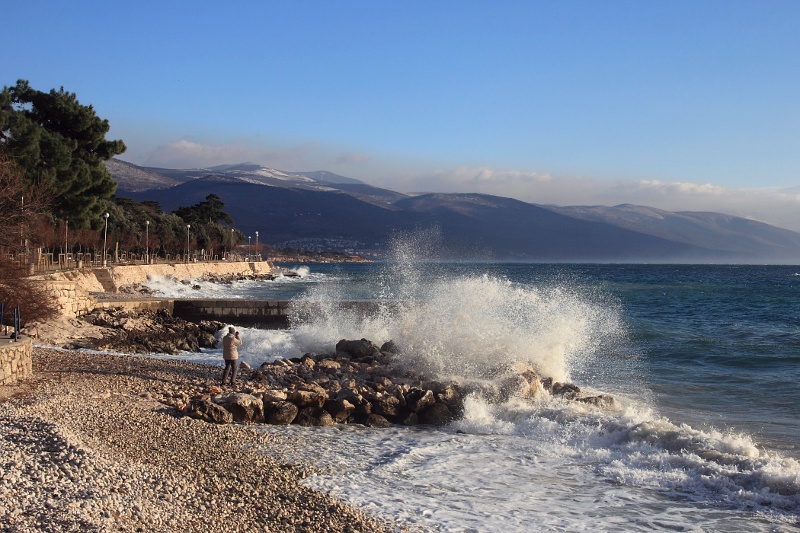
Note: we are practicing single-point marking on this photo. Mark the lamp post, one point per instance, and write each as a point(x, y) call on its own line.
point(147, 242)
point(105, 238)
point(187, 241)
point(257, 253)
point(66, 241)
point(231, 244)
point(249, 250)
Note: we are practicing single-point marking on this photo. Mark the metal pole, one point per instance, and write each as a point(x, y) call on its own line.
point(258, 254)
point(187, 241)
point(231, 244)
point(147, 242)
point(105, 235)
point(17, 322)
point(66, 241)
point(249, 250)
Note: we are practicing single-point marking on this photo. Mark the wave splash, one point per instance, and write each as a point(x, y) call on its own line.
point(466, 327)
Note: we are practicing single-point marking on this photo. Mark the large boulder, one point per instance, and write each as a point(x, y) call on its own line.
point(388, 406)
point(281, 413)
point(273, 396)
point(377, 421)
point(340, 410)
point(245, 408)
point(310, 416)
point(357, 349)
point(436, 415)
point(418, 400)
point(305, 398)
point(206, 410)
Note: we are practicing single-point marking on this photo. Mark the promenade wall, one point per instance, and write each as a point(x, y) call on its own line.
point(15, 360)
point(72, 290)
point(132, 274)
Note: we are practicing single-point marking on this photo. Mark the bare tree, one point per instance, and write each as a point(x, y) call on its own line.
point(36, 303)
point(21, 206)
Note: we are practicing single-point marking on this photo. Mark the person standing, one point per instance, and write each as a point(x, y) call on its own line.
point(230, 353)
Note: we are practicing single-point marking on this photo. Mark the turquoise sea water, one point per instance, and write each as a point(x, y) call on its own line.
point(705, 361)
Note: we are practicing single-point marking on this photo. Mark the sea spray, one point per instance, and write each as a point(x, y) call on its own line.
point(560, 464)
point(465, 327)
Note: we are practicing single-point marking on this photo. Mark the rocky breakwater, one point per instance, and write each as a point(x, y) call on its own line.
point(364, 384)
point(228, 278)
point(135, 331)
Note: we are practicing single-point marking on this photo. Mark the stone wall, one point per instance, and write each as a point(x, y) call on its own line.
point(71, 298)
point(15, 360)
point(129, 275)
point(112, 278)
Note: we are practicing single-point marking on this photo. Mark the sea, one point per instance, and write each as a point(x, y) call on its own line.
point(703, 360)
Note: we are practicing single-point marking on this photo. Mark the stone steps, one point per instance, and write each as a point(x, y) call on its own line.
point(103, 275)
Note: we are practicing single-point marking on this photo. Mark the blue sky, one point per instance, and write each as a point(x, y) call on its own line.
point(682, 105)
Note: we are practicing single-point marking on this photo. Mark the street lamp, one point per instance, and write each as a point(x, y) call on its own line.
point(147, 242)
point(105, 236)
point(187, 241)
point(249, 250)
point(66, 240)
point(257, 253)
point(231, 244)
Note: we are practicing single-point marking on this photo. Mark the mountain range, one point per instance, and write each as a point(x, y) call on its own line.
point(324, 211)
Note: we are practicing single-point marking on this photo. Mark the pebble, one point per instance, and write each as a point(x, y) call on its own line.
point(90, 449)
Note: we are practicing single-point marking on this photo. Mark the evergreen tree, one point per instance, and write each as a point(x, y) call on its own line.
point(60, 145)
point(206, 212)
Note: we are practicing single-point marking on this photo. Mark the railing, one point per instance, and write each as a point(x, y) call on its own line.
point(17, 320)
point(49, 262)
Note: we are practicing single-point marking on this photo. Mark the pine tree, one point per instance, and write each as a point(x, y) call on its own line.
point(60, 145)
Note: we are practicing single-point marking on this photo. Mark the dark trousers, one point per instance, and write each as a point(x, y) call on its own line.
point(230, 366)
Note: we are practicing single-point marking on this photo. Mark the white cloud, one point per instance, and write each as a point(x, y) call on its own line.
point(189, 154)
point(351, 159)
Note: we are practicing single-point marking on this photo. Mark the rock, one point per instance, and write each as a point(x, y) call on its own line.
point(281, 413)
point(418, 400)
point(567, 390)
point(340, 410)
point(356, 349)
point(328, 365)
point(205, 409)
point(452, 397)
point(304, 398)
point(388, 406)
point(310, 416)
point(411, 420)
point(377, 421)
point(389, 347)
point(245, 408)
point(516, 386)
point(602, 400)
point(273, 396)
point(436, 415)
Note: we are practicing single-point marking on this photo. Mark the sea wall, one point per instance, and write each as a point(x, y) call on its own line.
point(272, 313)
point(70, 297)
point(109, 280)
point(132, 274)
point(15, 360)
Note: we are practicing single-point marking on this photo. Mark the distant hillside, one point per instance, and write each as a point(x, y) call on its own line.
point(131, 178)
point(714, 231)
point(320, 210)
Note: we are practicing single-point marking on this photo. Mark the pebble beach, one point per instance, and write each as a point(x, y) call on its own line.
point(88, 444)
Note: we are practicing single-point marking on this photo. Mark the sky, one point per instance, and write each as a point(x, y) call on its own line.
point(679, 105)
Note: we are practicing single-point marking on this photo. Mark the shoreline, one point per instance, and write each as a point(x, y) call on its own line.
point(86, 445)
